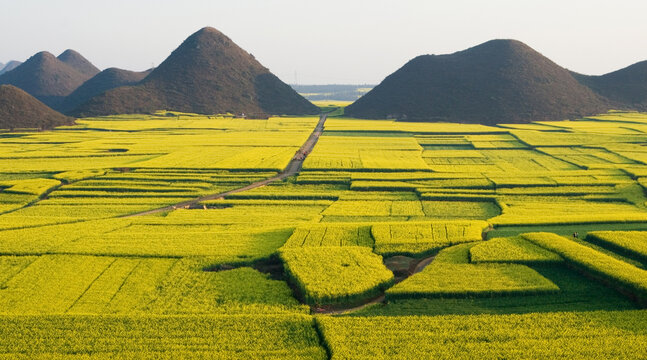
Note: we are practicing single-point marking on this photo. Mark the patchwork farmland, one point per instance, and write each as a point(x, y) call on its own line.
point(392, 240)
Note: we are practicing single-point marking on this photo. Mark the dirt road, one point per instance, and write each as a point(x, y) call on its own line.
point(292, 169)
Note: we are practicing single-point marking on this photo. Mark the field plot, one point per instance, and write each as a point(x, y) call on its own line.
point(222, 234)
point(175, 241)
point(512, 250)
point(330, 235)
point(587, 157)
point(564, 210)
point(414, 238)
point(451, 275)
point(289, 191)
point(156, 337)
point(576, 335)
point(32, 292)
point(576, 293)
point(375, 208)
point(336, 275)
point(72, 284)
point(410, 209)
point(362, 152)
point(460, 209)
point(386, 126)
point(187, 289)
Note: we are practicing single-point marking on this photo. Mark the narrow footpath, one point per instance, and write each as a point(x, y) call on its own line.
point(293, 168)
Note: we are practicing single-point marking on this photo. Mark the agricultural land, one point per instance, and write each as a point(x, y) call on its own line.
point(175, 235)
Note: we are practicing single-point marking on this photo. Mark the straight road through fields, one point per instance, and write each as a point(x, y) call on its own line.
point(293, 168)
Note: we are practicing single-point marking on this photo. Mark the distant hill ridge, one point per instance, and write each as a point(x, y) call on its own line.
point(47, 78)
point(9, 66)
point(18, 109)
point(208, 74)
point(332, 91)
point(496, 82)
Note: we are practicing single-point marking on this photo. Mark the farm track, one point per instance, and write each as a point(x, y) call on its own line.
point(293, 168)
point(379, 299)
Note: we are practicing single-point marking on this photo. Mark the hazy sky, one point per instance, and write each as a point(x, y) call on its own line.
point(332, 41)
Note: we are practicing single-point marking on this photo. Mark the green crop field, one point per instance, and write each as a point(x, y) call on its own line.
point(120, 237)
point(451, 275)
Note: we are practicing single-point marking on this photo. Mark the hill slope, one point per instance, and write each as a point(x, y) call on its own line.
point(10, 66)
point(496, 82)
point(106, 80)
point(207, 74)
point(78, 63)
point(46, 78)
point(21, 110)
point(625, 87)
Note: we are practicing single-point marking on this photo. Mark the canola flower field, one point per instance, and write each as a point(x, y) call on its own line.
point(394, 240)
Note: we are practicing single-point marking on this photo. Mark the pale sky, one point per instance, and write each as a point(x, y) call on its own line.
point(332, 41)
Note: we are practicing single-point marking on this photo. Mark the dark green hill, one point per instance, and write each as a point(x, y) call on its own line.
point(106, 80)
point(207, 74)
point(18, 109)
point(500, 81)
point(626, 88)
